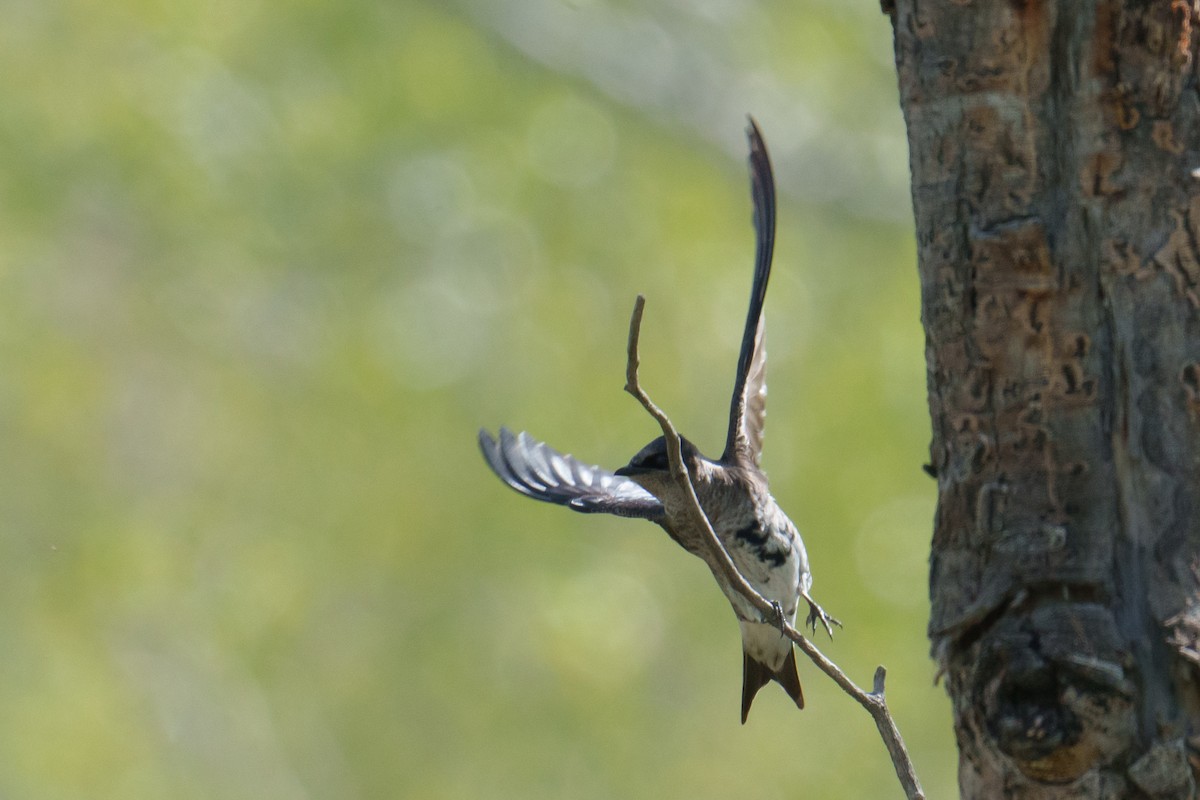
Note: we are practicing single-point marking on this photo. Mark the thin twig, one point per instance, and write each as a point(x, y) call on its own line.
point(718, 560)
point(714, 552)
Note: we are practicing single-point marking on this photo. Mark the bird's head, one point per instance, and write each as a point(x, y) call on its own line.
point(651, 469)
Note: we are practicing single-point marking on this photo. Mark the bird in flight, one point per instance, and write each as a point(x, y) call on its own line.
point(733, 491)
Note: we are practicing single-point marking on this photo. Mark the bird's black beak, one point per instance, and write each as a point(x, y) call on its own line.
point(629, 471)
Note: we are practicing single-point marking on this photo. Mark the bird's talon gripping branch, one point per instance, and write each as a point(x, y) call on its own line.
point(777, 617)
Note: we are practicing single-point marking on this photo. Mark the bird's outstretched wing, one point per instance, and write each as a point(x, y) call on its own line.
point(535, 469)
point(748, 409)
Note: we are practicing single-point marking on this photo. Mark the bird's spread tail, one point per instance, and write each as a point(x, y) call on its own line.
point(756, 675)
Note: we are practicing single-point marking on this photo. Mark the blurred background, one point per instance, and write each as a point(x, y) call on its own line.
point(266, 266)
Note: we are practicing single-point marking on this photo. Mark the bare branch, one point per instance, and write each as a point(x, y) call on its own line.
point(714, 553)
point(722, 566)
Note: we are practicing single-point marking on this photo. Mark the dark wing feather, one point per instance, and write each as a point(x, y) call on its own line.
point(747, 409)
point(535, 469)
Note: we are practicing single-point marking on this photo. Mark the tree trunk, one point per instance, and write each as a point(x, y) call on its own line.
point(1058, 226)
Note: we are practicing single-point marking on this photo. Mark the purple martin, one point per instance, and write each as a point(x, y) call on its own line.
point(733, 492)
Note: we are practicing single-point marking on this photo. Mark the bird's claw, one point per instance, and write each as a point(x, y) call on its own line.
point(817, 614)
point(777, 618)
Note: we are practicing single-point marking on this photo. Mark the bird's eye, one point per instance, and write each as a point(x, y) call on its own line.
point(658, 461)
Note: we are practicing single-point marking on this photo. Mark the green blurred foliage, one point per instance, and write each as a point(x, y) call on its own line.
point(267, 266)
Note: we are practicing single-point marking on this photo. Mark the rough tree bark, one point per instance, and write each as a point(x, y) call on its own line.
point(1053, 152)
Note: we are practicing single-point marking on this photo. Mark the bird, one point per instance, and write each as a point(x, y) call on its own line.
point(733, 491)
